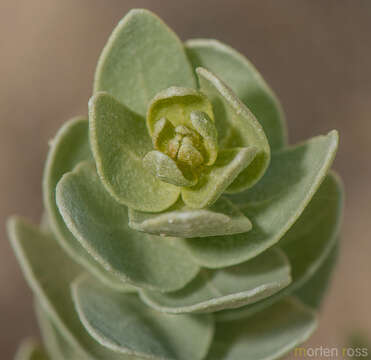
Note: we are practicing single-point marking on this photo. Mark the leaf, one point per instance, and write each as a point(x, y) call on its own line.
point(176, 105)
point(273, 205)
point(237, 127)
point(232, 287)
point(57, 345)
point(307, 244)
point(141, 58)
point(68, 148)
point(247, 83)
point(30, 350)
point(119, 142)
point(205, 126)
point(313, 291)
point(181, 221)
point(166, 169)
point(125, 325)
point(49, 278)
point(100, 224)
point(313, 237)
point(267, 335)
point(216, 178)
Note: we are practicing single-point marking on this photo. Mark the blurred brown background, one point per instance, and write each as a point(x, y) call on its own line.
point(315, 54)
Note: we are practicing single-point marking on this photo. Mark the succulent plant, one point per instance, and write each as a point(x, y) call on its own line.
point(178, 222)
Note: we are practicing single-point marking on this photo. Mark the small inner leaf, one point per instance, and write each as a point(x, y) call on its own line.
point(215, 179)
point(206, 128)
point(166, 169)
point(247, 83)
point(181, 221)
point(176, 104)
point(237, 127)
point(163, 133)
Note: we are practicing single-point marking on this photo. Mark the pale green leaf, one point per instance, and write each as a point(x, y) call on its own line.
point(176, 105)
point(124, 324)
point(181, 221)
point(237, 127)
point(273, 205)
point(232, 287)
point(205, 126)
point(101, 226)
point(307, 244)
point(166, 169)
point(216, 178)
point(49, 272)
point(268, 335)
point(57, 345)
point(119, 142)
point(67, 149)
point(30, 349)
point(141, 58)
point(313, 291)
point(243, 78)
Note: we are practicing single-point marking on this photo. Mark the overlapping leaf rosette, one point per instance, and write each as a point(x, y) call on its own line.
point(179, 224)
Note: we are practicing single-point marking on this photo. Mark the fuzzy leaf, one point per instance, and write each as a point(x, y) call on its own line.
point(166, 169)
point(216, 178)
point(273, 205)
point(242, 77)
point(176, 105)
point(101, 226)
point(237, 127)
point(49, 272)
point(181, 221)
point(30, 350)
point(119, 142)
point(141, 58)
point(232, 287)
point(56, 343)
point(205, 126)
point(268, 335)
point(313, 291)
point(125, 325)
point(308, 243)
point(67, 149)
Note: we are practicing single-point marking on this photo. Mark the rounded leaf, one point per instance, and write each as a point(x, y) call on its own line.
point(308, 243)
point(49, 278)
point(181, 221)
point(232, 287)
point(101, 226)
point(141, 58)
point(67, 149)
point(273, 205)
point(237, 127)
point(166, 169)
point(119, 142)
point(176, 105)
point(268, 335)
point(124, 324)
point(215, 179)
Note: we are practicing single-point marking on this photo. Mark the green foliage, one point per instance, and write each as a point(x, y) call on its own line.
point(178, 223)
